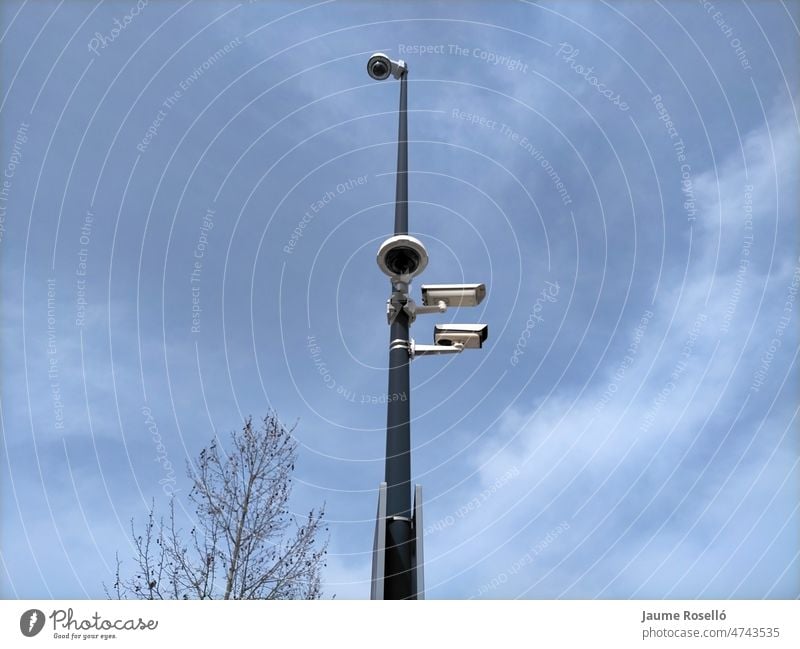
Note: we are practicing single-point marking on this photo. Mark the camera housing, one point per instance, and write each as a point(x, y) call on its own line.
point(381, 66)
point(402, 257)
point(470, 336)
point(453, 294)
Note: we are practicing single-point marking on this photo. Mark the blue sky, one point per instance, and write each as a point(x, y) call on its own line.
point(622, 177)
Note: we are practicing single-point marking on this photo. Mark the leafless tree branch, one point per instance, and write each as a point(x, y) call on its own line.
point(244, 544)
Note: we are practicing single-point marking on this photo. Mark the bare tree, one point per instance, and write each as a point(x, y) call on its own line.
point(245, 544)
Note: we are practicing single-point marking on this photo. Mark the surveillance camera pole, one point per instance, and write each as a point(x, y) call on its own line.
point(399, 578)
point(397, 559)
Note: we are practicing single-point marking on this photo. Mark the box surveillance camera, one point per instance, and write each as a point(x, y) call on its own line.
point(470, 336)
point(453, 294)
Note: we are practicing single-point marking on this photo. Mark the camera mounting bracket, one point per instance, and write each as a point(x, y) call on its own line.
point(415, 350)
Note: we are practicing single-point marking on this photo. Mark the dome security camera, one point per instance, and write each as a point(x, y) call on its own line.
point(381, 66)
point(402, 256)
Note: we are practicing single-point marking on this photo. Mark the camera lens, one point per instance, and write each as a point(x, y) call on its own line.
point(402, 260)
point(380, 69)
